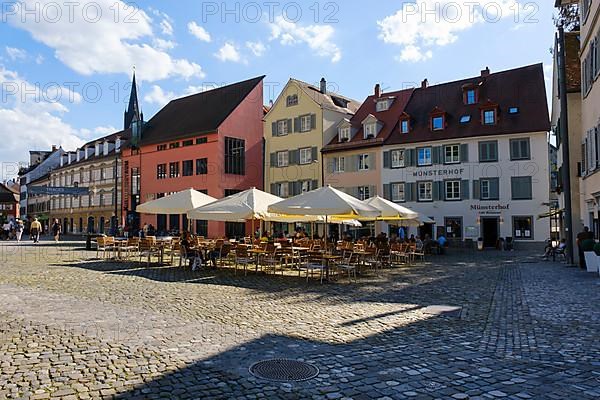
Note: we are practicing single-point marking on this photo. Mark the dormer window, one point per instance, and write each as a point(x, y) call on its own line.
point(437, 123)
point(470, 95)
point(370, 130)
point(404, 126)
point(291, 100)
point(489, 117)
point(382, 105)
point(344, 133)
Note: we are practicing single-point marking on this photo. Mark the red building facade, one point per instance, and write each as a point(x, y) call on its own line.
point(211, 141)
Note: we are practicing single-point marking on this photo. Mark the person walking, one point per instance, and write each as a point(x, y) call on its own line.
point(35, 229)
point(19, 228)
point(581, 237)
point(56, 230)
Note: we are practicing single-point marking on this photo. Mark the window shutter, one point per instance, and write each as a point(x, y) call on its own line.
point(371, 161)
point(314, 184)
point(464, 189)
point(464, 153)
point(435, 190)
point(330, 163)
point(289, 124)
point(495, 188)
point(291, 189)
point(411, 160)
point(387, 191)
point(411, 191)
point(297, 124)
point(313, 121)
point(297, 188)
point(372, 191)
point(514, 149)
point(273, 159)
point(315, 155)
point(352, 163)
point(354, 191)
point(293, 157)
point(476, 189)
point(387, 160)
point(274, 128)
point(483, 153)
point(274, 189)
point(435, 155)
point(493, 151)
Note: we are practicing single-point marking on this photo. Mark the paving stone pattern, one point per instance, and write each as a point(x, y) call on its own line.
point(74, 327)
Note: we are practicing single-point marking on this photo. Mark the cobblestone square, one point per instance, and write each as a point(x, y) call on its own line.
point(75, 327)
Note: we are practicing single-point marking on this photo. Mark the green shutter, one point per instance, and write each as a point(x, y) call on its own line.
point(525, 149)
point(371, 161)
point(313, 121)
point(483, 153)
point(436, 193)
point(494, 188)
point(289, 124)
point(352, 163)
point(493, 151)
point(387, 160)
point(314, 184)
point(464, 189)
point(435, 154)
point(293, 157)
point(315, 155)
point(296, 124)
point(476, 189)
point(273, 159)
point(330, 164)
point(411, 191)
point(387, 191)
point(464, 153)
point(514, 149)
point(291, 189)
point(274, 128)
point(274, 189)
point(411, 159)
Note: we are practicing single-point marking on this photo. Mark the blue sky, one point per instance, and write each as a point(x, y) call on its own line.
point(55, 57)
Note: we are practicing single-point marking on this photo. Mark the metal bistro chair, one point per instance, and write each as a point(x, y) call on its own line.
point(314, 262)
point(348, 264)
point(242, 258)
point(147, 248)
point(104, 245)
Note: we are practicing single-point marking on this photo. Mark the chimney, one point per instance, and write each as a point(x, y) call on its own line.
point(105, 148)
point(118, 145)
point(485, 72)
point(54, 148)
point(424, 83)
point(377, 90)
point(97, 149)
point(323, 86)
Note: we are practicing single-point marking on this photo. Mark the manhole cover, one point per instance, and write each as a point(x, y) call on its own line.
point(284, 370)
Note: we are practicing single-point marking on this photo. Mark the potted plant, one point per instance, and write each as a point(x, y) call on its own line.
point(591, 262)
point(597, 251)
point(479, 243)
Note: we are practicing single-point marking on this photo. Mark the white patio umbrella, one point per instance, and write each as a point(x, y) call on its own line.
point(177, 203)
point(418, 221)
point(390, 211)
point(250, 204)
point(325, 201)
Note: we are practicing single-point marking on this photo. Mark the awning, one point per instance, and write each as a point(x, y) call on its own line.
point(549, 214)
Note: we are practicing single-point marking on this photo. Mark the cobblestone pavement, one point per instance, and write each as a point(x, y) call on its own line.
point(75, 327)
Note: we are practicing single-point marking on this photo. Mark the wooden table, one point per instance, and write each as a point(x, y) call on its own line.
point(257, 253)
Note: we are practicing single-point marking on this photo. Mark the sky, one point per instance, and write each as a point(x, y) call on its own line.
point(65, 67)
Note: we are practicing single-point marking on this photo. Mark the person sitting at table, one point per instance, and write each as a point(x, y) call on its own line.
point(412, 239)
point(186, 242)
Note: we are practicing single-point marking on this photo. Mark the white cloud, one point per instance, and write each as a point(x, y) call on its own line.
point(229, 52)
point(105, 46)
point(419, 26)
point(199, 32)
point(39, 59)
point(166, 27)
point(15, 53)
point(37, 118)
point(163, 44)
point(317, 37)
point(158, 96)
point(257, 48)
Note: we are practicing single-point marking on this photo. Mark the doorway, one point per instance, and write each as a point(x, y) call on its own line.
point(426, 229)
point(490, 228)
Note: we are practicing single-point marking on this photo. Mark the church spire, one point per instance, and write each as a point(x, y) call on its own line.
point(133, 110)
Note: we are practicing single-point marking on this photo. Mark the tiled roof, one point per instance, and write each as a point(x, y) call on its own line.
point(389, 120)
point(196, 114)
point(521, 87)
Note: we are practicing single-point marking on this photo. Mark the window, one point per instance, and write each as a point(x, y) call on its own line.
point(235, 156)
point(188, 167)
point(523, 227)
point(382, 105)
point(489, 117)
point(489, 189)
point(306, 186)
point(282, 158)
point(452, 190)
point(202, 228)
point(521, 187)
point(465, 119)
point(306, 155)
point(519, 149)
point(364, 192)
point(370, 130)
point(282, 189)
point(404, 126)
point(161, 171)
point(344, 133)
point(187, 143)
point(425, 191)
point(453, 227)
point(363, 162)
point(488, 151)
point(174, 145)
point(135, 180)
point(282, 127)
point(161, 147)
point(398, 192)
point(437, 123)
point(174, 170)
point(291, 100)
point(470, 96)
point(397, 158)
point(513, 110)
point(424, 156)
point(201, 166)
point(339, 164)
point(452, 154)
point(305, 123)
point(202, 140)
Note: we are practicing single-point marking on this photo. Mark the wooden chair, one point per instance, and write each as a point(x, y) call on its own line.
point(314, 262)
point(348, 264)
point(147, 248)
point(242, 258)
point(104, 245)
